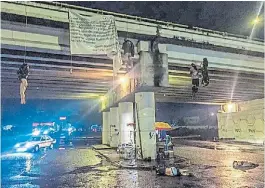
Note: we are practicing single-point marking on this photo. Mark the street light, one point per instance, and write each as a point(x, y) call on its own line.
point(256, 21)
point(230, 107)
point(124, 79)
point(102, 98)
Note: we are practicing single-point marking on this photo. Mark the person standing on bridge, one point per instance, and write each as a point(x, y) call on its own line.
point(195, 78)
point(205, 76)
point(23, 74)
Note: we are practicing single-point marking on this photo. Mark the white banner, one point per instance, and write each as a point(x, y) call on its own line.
point(95, 35)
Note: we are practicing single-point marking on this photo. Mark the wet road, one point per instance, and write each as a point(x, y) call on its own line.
point(81, 166)
point(77, 168)
point(213, 164)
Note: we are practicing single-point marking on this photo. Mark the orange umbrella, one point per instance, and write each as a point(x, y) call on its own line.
point(162, 126)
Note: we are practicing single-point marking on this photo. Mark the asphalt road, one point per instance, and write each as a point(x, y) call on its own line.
point(80, 166)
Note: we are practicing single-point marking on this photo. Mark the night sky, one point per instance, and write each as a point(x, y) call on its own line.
point(232, 17)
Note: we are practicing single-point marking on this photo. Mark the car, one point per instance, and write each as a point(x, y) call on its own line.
point(35, 144)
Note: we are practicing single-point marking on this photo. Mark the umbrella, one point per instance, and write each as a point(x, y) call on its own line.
point(162, 126)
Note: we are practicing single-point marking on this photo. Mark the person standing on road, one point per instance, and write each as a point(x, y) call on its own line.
point(195, 78)
point(23, 74)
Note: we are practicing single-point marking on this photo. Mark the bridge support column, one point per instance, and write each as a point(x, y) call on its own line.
point(145, 128)
point(106, 128)
point(153, 66)
point(125, 119)
point(114, 127)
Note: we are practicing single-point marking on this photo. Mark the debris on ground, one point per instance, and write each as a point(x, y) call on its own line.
point(244, 165)
point(170, 171)
point(186, 173)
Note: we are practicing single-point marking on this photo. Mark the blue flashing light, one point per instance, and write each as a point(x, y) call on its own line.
point(36, 133)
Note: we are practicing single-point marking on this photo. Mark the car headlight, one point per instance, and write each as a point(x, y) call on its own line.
point(17, 145)
point(28, 145)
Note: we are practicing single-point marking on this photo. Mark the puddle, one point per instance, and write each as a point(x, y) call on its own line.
point(83, 169)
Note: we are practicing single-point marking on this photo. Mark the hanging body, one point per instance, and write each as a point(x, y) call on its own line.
point(205, 76)
point(195, 78)
point(128, 53)
point(23, 74)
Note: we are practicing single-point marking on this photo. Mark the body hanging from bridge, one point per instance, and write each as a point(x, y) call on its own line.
point(205, 76)
point(23, 74)
point(157, 58)
point(128, 53)
point(195, 78)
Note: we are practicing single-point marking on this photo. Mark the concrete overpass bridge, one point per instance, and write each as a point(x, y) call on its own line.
point(38, 33)
point(234, 61)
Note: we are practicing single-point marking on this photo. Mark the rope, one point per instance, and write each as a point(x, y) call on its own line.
point(127, 29)
point(25, 46)
point(71, 57)
point(71, 70)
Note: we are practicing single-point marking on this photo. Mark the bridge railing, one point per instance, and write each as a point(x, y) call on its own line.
point(157, 22)
point(125, 19)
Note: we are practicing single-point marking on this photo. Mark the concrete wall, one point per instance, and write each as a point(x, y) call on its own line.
point(245, 125)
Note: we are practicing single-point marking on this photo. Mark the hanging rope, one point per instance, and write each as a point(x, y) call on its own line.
point(71, 57)
point(25, 38)
point(71, 69)
point(127, 29)
point(23, 71)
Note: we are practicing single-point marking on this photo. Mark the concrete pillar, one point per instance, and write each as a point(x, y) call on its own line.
point(125, 118)
point(146, 69)
point(105, 130)
point(145, 120)
point(114, 127)
point(162, 68)
point(153, 67)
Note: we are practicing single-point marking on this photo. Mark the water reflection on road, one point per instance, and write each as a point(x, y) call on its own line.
point(84, 167)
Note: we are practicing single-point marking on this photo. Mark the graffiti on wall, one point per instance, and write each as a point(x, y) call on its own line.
point(242, 126)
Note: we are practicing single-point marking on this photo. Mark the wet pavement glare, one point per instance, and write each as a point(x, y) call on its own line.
point(84, 167)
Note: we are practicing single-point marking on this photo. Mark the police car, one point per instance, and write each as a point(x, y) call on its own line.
point(35, 144)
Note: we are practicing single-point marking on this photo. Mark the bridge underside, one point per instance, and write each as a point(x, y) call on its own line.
point(91, 77)
point(54, 74)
